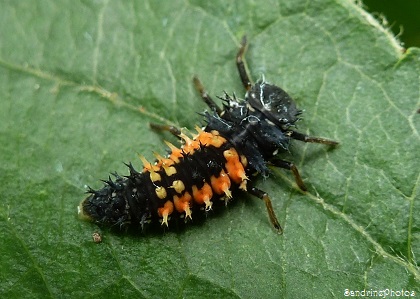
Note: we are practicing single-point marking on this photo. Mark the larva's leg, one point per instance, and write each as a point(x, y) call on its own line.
point(246, 81)
point(264, 196)
point(311, 139)
point(172, 129)
point(205, 96)
point(290, 166)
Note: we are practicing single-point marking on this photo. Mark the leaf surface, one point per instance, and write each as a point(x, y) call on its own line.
point(81, 81)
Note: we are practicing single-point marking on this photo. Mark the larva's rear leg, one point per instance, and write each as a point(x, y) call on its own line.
point(290, 166)
point(271, 214)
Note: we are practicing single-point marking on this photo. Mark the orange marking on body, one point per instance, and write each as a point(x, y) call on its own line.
point(221, 184)
point(147, 166)
point(190, 144)
point(234, 167)
point(211, 138)
point(176, 153)
point(218, 140)
point(162, 161)
point(165, 211)
point(204, 137)
point(191, 147)
point(203, 195)
point(165, 163)
point(182, 204)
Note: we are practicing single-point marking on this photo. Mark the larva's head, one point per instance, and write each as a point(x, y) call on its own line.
point(274, 103)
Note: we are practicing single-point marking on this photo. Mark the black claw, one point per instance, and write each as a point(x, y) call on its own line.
point(91, 191)
point(109, 182)
point(184, 154)
point(130, 166)
point(116, 175)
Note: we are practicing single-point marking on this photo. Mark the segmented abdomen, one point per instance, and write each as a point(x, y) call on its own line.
point(206, 168)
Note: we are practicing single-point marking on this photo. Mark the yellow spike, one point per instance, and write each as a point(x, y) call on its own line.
point(150, 168)
point(170, 145)
point(226, 199)
point(146, 164)
point(198, 129)
point(158, 156)
point(176, 153)
point(242, 186)
point(208, 204)
point(165, 162)
point(165, 211)
point(244, 177)
point(165, 219)
point(227, 192)
point(185, 138)
point(188, 213)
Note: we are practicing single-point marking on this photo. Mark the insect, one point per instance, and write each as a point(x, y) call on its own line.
point(240, 140)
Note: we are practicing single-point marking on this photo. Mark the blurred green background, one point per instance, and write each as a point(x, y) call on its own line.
point(402, 17)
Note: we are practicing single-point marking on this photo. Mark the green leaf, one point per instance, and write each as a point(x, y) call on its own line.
point(81, 80)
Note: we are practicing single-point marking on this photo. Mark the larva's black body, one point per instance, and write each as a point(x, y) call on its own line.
point(239, 141)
